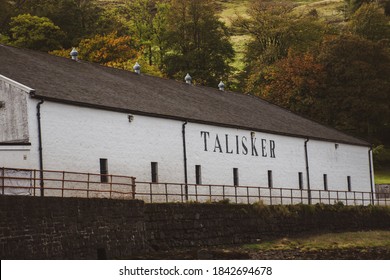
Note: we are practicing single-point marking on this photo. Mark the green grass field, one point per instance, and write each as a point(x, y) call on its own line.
point(382, 175)
point(344, 240)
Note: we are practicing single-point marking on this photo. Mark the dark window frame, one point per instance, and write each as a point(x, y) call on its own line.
point(325, 177)
point(103, 170)
point(236, 181)
point(154, 171)
point(198, 174)
point(349, 183)
point(270, 179)
point(300, 180)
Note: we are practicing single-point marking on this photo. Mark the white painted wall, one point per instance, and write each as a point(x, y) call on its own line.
point(253, 170)
point(75, 138)
point(15, 156)
point(338, 163)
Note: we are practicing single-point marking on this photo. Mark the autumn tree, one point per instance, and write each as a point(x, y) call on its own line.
point(357, 86)
point(275, 31)
point(77, 18)
point(197, 42)
point(110, 50)
point(353, 5)
point(295, 83)
point(147, 20)
point(38, 33)
point(370, 22)
point(9, 9)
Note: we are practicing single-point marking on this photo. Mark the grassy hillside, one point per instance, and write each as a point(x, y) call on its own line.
point(329, 10)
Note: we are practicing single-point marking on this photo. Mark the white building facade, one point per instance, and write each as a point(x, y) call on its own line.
point(168, 149)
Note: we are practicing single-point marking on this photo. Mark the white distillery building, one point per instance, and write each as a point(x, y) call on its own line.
point(63, 114)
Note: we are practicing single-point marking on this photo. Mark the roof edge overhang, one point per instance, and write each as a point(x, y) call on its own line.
point(16, 84)
point(21, 143)
point(129, 111)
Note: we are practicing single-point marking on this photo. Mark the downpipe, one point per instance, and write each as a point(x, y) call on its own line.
point(307, 172)
point(185, 159)
point(41, 183)
point(371, 184)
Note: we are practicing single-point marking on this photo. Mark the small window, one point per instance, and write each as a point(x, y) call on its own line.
point(270, 181)
point(235, 177)
point(349, 183)
point(103, 170)
point(325, 182)
point(198, 174)
point(300, 180)
point(154, 169)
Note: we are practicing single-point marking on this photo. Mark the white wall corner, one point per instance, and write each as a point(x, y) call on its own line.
point(16, 84)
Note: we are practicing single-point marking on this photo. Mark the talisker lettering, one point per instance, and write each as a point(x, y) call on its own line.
point(236, 144)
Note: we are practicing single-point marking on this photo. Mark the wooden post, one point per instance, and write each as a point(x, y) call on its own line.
point(133, 187)
point(63, 183)
point(2, 180)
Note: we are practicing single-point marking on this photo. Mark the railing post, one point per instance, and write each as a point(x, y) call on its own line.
point(110, 185)
point(247, 194)
point(196, 193)
point(329, 197)
point(235, 193)
point(270, 196)
point(281, 196)
point(259, 193)
point(291, 194)
point(42, 182)
point(210, 192)
point(166, 192)
point(35, 180)
point(223, 192)
point(63, 182)
point(354, 198)
point(181, 193)
point(88, 179)
point(150, 193)
point(2, 180)
point(133, 187)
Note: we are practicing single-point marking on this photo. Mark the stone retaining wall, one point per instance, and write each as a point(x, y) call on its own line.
point(79, 228)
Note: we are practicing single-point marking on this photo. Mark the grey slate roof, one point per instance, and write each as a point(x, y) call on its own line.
point(61, 79)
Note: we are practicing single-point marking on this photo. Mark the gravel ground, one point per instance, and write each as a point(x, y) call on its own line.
point(232, 253)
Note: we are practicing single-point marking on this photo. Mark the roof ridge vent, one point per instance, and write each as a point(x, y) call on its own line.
point(137, 68)
point(221, 86)
point(74, 53)
point(188, 79)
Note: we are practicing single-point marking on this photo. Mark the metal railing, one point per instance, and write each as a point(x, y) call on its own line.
point(90, 185)
point(174, 192)
point(65, 184)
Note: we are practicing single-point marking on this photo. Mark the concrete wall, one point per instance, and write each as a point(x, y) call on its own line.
point(13, 113)
point(14, 124)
